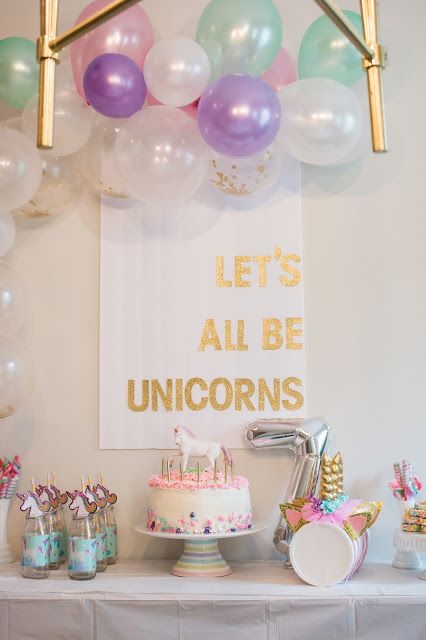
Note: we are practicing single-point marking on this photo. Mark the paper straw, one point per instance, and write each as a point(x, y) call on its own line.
point(397, 471)
point(409, 471)
point(11, 489)
point(3, 487)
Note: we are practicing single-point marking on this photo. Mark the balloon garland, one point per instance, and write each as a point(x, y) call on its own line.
point(235, 80)
point(162, 118)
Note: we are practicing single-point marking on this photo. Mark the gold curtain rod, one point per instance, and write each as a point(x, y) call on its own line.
point(49, 44)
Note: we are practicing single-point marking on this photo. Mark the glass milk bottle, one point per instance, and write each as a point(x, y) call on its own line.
point(62, 535)
point(35, 548)
point(101, 541)
point(82, 548)
point(111, 530)
point(54, 539)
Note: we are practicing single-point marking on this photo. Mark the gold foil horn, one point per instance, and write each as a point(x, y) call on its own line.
point(331, 480)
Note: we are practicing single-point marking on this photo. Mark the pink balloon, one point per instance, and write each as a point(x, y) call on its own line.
point(189, 109)
point(281, 72)
point(129, 33)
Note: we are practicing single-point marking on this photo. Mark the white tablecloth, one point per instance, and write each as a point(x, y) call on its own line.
point(260, 601)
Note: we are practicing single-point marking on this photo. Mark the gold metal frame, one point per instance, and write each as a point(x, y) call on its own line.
point(49, 44)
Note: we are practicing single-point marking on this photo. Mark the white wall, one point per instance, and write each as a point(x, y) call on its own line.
point(365, 268)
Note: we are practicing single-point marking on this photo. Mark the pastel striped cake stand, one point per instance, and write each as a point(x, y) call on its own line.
point(201, 556)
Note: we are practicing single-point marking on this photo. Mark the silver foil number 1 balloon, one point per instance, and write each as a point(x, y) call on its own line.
point(307, 439)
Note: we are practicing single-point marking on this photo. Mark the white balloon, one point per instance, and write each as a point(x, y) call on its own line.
point(16, 375)
point(64, 76)
point(176, 71)
point(7, 232)
point(73, 123)
point(13, 123)
point(161, 155)
point(60, 187)
point(12, 301)
point(244, 177)
point(97, 159)
point(322, 121)
point(20, 168)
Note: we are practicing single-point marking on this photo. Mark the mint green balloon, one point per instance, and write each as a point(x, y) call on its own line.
point(240, 36)
point(326, 53)
point(18, 71)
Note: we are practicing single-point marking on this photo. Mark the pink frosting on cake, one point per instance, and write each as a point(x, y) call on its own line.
point(190, 482)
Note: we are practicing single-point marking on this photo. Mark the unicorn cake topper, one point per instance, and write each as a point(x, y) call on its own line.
point(32, 503)
point(190, 446)
point(333, 505)
point(81, 504)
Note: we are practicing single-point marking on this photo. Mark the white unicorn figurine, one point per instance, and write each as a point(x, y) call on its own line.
point(190, 446)
point(31, 502)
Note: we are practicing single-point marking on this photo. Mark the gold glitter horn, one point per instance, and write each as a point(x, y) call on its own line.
point(331, 482)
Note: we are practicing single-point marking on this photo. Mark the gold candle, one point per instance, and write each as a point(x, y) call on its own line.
point(198, 472)
point(215, 471)
point(181, 471)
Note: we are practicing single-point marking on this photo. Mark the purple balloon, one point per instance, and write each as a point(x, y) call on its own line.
point(239, 115)
point(114, 85)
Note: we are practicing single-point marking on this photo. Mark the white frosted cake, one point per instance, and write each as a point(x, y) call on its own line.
point(186, 504)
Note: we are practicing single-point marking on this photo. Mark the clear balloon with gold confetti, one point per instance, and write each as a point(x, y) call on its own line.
point(245, 177)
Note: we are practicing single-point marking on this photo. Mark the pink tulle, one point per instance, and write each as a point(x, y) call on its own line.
point(337, 518)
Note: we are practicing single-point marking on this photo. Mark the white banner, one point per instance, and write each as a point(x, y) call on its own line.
point(201, 316)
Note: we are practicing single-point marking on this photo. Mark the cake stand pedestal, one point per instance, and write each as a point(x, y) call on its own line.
point(408, 546)
point(201, 556)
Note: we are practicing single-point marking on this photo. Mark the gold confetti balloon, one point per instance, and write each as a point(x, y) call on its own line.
point(244, 177)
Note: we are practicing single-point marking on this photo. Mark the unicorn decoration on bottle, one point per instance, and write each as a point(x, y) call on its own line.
point(107, 515)
point(100, 526)
point(190, 446)
point(80, 504)
point(32, 503)
point(82, 541)
point(36, 538)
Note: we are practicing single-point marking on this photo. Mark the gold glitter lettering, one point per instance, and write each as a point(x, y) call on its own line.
point(272, 338)
point(215, 404)
point(209, 336)
point(293, 393)
point(131, 396)
point(166, 396)
point(228, 336)
point(241, 346)
point(241, 270)
point(290, 269)
point(195, 406)
point(274, 400)
point(179, 394)
point(220, 282)
point(291, 332)
point(262, 261)
point(243, 396)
